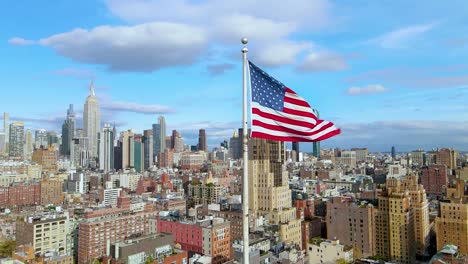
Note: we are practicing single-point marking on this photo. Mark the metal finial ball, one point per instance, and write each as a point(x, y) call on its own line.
point(244, 41)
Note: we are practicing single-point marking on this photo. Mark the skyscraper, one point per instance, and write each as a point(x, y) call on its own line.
point(159, 136)
point(92, 121)
point(235, 144)
point(402, 220)
point(148, 148)
point(295, 147)
point(6, 130)
point(393, 152)
point(16, 140)
point(316, 145)
point(2, 143)
point(106, 149)
point(138, 156)
point(28, 144)
point(269, 191)
point(202, 146)
point(128, 150)
point(177, 143)
point(40, 138)
point(68, 132)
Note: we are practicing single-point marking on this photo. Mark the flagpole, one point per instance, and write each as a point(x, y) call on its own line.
point(245, 181)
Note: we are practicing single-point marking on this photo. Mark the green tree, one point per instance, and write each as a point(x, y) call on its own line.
point(6, 248)
point(342, 261)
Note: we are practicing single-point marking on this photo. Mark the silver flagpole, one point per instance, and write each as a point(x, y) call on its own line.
point(245, 181)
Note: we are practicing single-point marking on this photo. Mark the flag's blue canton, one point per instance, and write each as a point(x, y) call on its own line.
point(266, 90)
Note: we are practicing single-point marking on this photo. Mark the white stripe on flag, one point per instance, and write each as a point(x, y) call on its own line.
point(286, 125)
point(284, 115)
point(284, 134)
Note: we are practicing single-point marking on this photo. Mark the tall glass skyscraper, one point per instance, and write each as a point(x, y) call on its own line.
point(68, 132)
point(159, 136)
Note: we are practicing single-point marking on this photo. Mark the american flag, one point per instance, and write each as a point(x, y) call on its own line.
point(278, 113)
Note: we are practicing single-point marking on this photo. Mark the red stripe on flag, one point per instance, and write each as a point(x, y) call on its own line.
point(289, 130)
point(294, 139)
point(299, 113)
point(282, 119)
point(290, 91)
point(296, 101)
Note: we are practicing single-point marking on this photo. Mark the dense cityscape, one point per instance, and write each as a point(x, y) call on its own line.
point(98, 195)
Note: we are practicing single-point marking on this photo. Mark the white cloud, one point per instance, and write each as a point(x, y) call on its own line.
point(180, 32)
point(137, 108)
point(145, 47)
point(369, 89)
point(323, 61)
point(402, 37)
point(278, 54)
point(20, 41)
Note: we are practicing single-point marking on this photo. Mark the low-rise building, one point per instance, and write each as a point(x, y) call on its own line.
point(329, 251)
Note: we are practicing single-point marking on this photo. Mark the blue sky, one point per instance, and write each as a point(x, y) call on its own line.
point(386, 72)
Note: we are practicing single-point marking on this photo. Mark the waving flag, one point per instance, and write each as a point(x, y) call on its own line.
point(278, 113)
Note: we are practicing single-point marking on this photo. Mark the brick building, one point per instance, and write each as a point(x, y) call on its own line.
point(434, 179)
point(109, 225)
point(20, 195)
point(210, 237)
point(51, 191)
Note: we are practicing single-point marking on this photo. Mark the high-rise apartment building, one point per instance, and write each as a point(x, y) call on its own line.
point(269, 190)
point(434, 179)
point(101, 227)
point(28, 145)
point(2, 143)
point(177, 143)
point(6, 130)
point(128, 149)
point(159, 136)
point(206, 192)
point(51, 191)
point(148, 148)
point(352, 224)
point(448, 157)
point(402, 220)
point(295, 148)
point(418, 158)
point(16, 140)
point(166, 159)
point(106, 149)
point(451, 225)
point(45, 233)
point(202, 144)
point(361, 155)
point(41, 139)
point(92, 121)
point(348, 158)
point(47, 158)
point(68, 132)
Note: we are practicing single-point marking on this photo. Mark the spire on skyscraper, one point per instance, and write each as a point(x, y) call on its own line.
point(91, 89)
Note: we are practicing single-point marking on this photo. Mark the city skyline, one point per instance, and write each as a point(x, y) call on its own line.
point(383, 82)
